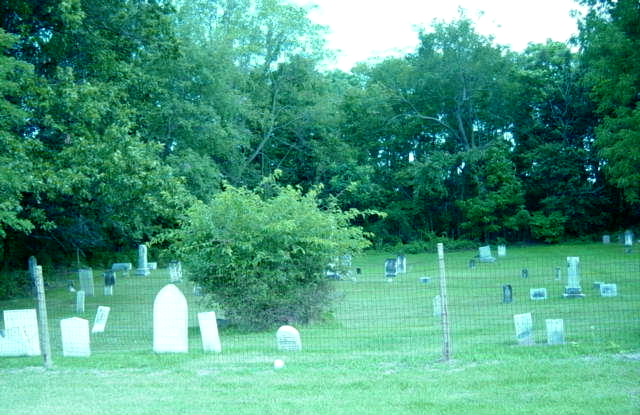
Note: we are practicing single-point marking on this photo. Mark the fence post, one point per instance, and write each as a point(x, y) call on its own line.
point(446, 338)
point(45, 342)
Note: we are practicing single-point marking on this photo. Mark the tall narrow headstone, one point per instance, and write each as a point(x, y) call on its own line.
point(437, 306)
point(507, 294)
point(558, 273)
point(485, 254)
point(100, 321)
point(75, 337)
point(170, 321)
point(390, 268)
point(573, 289)
point(24, 323)
point(628, 238)
point(401, 264)
point(80, 296)
point(86, 281)
point(209, 332)
point(502, 250)
point(524, 329)
point(109, 282)
point(555, 331)
point(606, 239)
point(288, 338)
point(143, 266)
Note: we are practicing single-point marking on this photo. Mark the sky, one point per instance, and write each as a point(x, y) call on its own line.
point(364, 29)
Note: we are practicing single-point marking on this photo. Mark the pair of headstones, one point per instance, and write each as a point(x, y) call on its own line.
point(524, 330)
point(394, 266)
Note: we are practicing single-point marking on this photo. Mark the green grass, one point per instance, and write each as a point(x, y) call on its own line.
point(378, 352)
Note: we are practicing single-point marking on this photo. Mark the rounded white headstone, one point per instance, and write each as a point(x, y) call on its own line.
point(170, 321)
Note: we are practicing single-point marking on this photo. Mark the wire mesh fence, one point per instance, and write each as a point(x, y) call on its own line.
point(377, 313)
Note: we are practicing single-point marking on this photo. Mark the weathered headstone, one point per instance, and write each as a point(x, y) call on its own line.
point(100, 321)
point(485, 254)
point(524, 329)
point(555, 331)
point(170, 321)
point(472, 263)
point(86, 281)
point(390, 268)
point(80, 297)
point(538, 293)
point(573, 289)
point(152, 265)
point(109, 281)
point(437, 306)
point(524, 273)
point(507, 294)
point(288, 338)
point(401, 264)
point(143, 266)
point(175, 271)
point(502, 250)
point(22, 326)
point(606, 239)
point(628, 238)
point(209, 332)
point(608, 290)
point(75, 337)
point(13, 342)
point(123, 267)
point(558, 273)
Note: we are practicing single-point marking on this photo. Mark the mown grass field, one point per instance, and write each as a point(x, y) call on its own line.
point(378, 351)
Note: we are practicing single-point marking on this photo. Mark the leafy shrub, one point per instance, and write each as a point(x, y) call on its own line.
point(548, 228)
point(263, 259)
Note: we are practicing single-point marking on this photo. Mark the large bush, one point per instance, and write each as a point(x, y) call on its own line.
point(263, 258)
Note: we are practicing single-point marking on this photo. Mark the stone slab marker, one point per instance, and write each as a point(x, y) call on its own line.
point(628, 238)
point(175, 271)
point(75, 337)
point(608, 290)
point(13, 343)
point(401, 264)
point(502, 250)
point(209, 332)
point(606, 239)
point(437, 306)
point(100, 321)
point(22, 326)
point(524, 329)
point(507, 294)
point(143, 266)
point(80, 301)
point(555, 331)
point(390, 268)
point(170, 321)
point(484, 252)
point(288, 338)
point(86, 281)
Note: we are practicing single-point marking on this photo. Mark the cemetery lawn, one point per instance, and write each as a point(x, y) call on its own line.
point(396, 370)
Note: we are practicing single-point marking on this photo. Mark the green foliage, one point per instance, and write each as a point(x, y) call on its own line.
point(548, 227)
point(263, 256)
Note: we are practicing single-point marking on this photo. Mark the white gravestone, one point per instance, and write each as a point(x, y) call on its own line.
point(606, 239)
point(524, 329)
point(628, 238)
point(86, 281)
point(13, 342)
point(175, 271)
point(608, 290)
point(25, 323)
point(209, 332)
point(573, 288)
point(80, 301)
point(485, 254)
point(502, 250)
point(288, 338)
point(121, 266)
point(401, 264)
point(170, 321)
point(75, 337)
point(555, 331)
point(437, 306)
point(390, 268)
point(100, 321)
point(538, 293)
point(143, 266)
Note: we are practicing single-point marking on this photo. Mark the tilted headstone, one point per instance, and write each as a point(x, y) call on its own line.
point(502, 250)
point(555, 331)
point(80, 297)
point(209, 332)
point(573, 289)
point(606, 239)
point(86, 281)
point(13, 342)
point(288, 338)
point(437, 306)
point(100, 321)
point(175, 271)
point(401, 264)
point(507, 294)
point(538, 293)
point(170, 321)
point(485, 254)
point(608, 290)
point(390, 268)
point(143, 266)
point(22, 326)
point(75, 337)
point(628, 238)
point(524, 329)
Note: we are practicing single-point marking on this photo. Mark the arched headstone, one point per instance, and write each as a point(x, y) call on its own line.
point(288, 338)
point(170, 321)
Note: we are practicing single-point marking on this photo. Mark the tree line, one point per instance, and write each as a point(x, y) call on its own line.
point(115, 117)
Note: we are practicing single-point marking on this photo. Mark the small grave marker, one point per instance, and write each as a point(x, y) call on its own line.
point(75, 337)
point(524, 273)
point(606, 239)
point(437, 306)
point(524, 329)
point(86, 281)
point(608, 290)
point(502, 250)
point(485, 254)
point(538, 293)
point(390, 268)
point(507, 294)
point(288, 338)
point(80, 301)
point(100, 321)
point(555, 331)
point(209, 332)
point(573, 289)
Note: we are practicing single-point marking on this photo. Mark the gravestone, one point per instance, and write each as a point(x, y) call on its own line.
point(628, 238)
point(425, 280)
point(22, 326)
point(558, 274)
point(472, 263)
point(390, 268)
point(175, 271)
point(538, 293)
point(109, 282)
point(75, 337)
point(401, 264)
point(507, 294)
point(485, 254)
point(288, 338)
point(100, 321)
point(573, 289)
point(555, 331)
point(502, 250)
point(143, 266)
point(80, 296)
point(209, 332)
point(86, 281)
point(437, 306)
point(608, 290)
point(13, 342)
point(197, 290)
point(524, 273)
point(606, 239)
point(524, 329)
point(170, 321)
point(121, 266)
point(152, 265)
